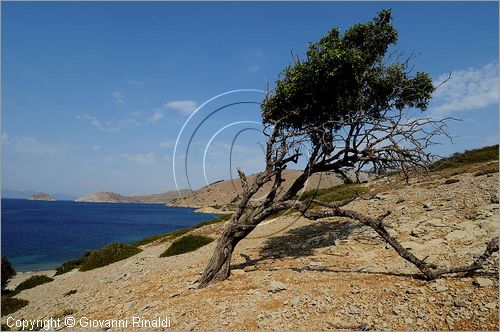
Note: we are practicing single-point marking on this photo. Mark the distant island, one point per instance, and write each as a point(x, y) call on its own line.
point(112, 197)
point(41, 197)
point(18, 194)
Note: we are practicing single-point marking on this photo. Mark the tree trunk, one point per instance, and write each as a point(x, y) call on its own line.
point(218, 269)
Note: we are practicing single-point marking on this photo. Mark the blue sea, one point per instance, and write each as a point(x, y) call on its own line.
point(39, 235)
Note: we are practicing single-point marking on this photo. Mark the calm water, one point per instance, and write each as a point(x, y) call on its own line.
point(39, 235)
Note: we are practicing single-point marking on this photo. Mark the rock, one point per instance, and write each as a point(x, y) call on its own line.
point(295, 302)
point(276, 286)
point(396, 309)
point(491, 305)
point(412, 291)
point(352, 310)
point(408, 321)
point(238, 272)
point(194, 285)
point(462, 235)
point(130, 305)
point(250, 268)
point(441, 288)
point(494, 199)
point(313, 267)
point(483, 282)
point(418, 232)
point(427, 206)
point(451, 180)
point(460, 303)
point(435, 223)
point(174, 295)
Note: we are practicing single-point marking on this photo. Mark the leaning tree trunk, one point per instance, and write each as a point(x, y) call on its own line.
point(218, 269)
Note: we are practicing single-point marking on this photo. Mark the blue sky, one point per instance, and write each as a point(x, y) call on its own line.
point(94, 95)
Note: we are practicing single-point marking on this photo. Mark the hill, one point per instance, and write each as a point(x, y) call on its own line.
point(222, 195)
point(111, 197)
point(468, 157)
point(41, 197)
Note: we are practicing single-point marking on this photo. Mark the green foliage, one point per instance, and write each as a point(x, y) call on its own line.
point(221, 218)
point(118, 251)
point(280, 214)
point(343, 79)
point(186, 244)
point(33, 282)
point(70, 265)
point(110, 253)
point(7, 271)
point(335, 193)
point(487, 153)
point(11, 305)
point(181, 231)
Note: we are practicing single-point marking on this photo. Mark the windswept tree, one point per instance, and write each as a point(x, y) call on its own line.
point(349, 105)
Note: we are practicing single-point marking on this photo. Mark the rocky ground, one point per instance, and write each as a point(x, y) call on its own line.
point(329, 274)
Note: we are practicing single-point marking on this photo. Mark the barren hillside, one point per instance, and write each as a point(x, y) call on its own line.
point(223, 194)
point(111, 197)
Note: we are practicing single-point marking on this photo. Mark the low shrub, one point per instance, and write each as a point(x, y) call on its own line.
point(72, 264)
point(185, 244)
point(110, 253)
point(11, 305)
point(181, 231)
point(221, 218)
point(33, 282)
point(335, 193)
point(118, 251)
point(467, 157)
point(7, 271)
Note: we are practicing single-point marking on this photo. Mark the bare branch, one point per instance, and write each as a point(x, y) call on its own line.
point(243, 178)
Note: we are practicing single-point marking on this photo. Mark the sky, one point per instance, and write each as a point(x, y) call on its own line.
point(95, 95)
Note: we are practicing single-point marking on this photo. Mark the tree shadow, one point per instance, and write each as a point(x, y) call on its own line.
point(302, 241)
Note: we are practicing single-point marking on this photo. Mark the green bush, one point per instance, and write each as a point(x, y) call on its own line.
point(10, 305)
point(335, 193)
point(487, 153)
point(221, 218)
point(181, 231)
point(119, 251)
point(110, 253)
point(186, 244)
point(69, 265)
point(33, 282)
point(7, 271)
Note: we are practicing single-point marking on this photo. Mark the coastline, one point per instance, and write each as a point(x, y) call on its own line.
point(21, 276)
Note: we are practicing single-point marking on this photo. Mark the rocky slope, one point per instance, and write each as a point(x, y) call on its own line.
point(111, 197)
point(329, 274)
point(42, 197)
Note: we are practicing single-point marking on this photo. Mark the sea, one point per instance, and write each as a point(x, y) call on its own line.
point(40, 235)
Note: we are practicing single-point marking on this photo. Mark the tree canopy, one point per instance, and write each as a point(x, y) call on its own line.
point(346, 76)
